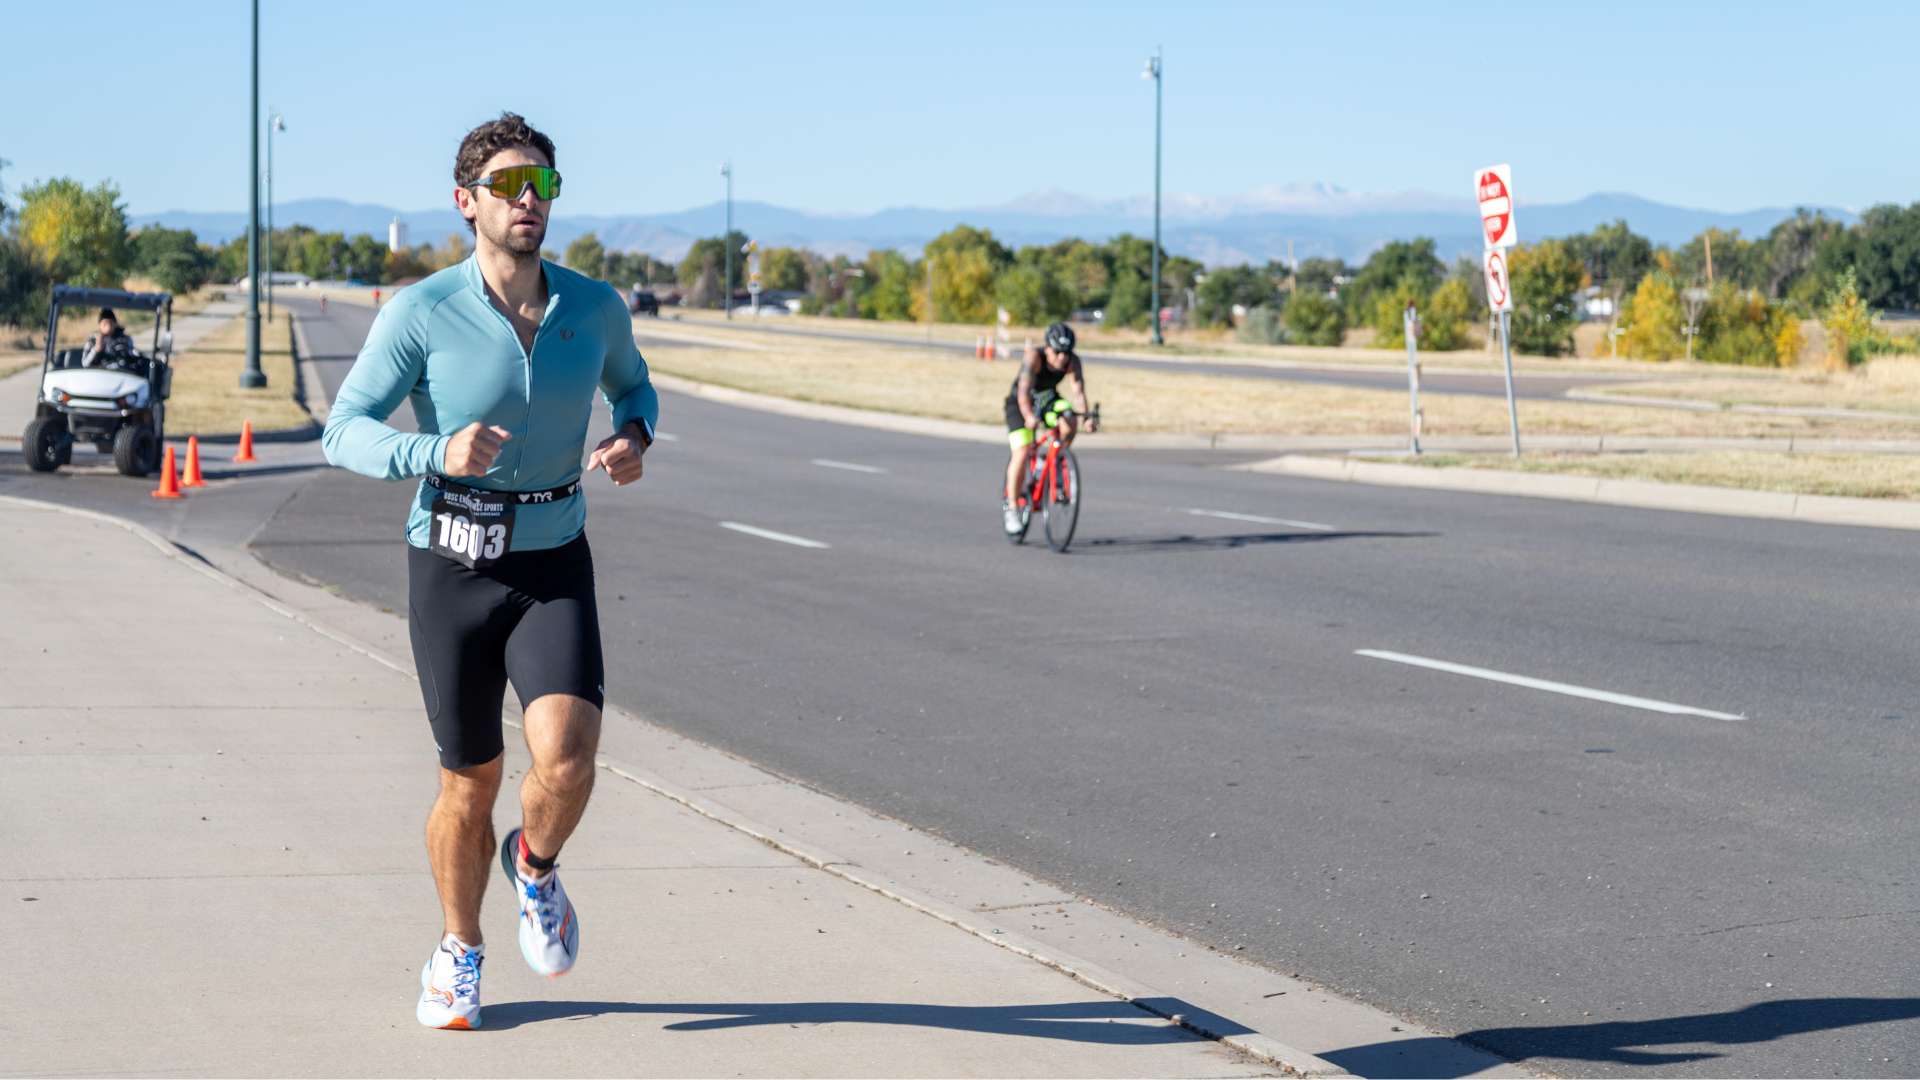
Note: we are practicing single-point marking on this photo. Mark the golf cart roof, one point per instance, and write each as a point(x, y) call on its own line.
point(82, 296)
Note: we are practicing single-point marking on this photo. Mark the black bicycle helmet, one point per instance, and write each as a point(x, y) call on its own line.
point(1060, 337)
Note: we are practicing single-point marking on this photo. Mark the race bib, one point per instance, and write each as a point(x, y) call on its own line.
point(472, 527)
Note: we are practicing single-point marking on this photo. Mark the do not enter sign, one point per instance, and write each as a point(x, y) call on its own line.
point(1493, 187)
point(1499, 288)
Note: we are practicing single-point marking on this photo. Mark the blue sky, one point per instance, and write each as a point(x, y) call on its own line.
point(855, 107)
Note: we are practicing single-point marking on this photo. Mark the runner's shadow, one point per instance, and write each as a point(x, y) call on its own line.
point(1114, 1023)
point(1618, 1041)
point(1128, 545)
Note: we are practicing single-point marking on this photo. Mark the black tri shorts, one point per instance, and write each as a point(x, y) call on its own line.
point(529, 618)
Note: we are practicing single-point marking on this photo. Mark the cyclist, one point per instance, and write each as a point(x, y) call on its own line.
point(1035, 401)
point(500, 356)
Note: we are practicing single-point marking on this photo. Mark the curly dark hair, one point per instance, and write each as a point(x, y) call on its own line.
point(509, 132)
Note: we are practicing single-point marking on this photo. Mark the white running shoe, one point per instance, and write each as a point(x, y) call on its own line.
point(450, 986)
point(1010, 515)
point(549, 929)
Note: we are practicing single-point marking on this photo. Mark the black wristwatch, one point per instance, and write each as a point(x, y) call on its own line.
point(646, 440)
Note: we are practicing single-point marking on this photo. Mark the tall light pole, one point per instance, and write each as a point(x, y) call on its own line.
point(726, 241)
point(278, 123)
point(1153, 72)
point(252, 377)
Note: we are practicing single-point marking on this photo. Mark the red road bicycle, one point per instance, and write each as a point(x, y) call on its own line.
point(1053, 485)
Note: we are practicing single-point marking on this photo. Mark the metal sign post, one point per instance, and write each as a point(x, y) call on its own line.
point(1411, 323)
point(1506, 353)
point(1500, 299)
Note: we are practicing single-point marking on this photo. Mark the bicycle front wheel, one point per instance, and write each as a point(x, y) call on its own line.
point(1060, 502)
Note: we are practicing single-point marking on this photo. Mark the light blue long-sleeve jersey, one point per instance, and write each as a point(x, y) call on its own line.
point(443, 346)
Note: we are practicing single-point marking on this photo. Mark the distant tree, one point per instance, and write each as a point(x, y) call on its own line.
point(1793, 249)
point(1179, 273)
point(403, 264)
point(1884, 252)
point(1410, 262)
point(1389, 315)
point(366, 257)
point(1546, 283)
point(1313, 318)
point(173, 258)
point(706, 289)
point(1447, 315)
point(710, 252)
point(79, 234)
point(1225, 287)
point(1031, 296)
point(1736, 261)
point(1128, 301)
point(1848, 320)
point(965, 261)
point(1739, 326)
point(889, 291)
point(1084, 270)
point(783, 268)
point(23, 286)
point(1652, 319)
point(1614, 256)
point(587, 255)
point(1317, 275)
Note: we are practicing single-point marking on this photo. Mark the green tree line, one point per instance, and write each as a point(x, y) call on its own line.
point(1728, 298)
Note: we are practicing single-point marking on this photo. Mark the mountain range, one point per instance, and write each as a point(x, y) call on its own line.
point(1255, 226)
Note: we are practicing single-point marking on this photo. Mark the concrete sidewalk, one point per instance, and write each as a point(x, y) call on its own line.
point(214, 809)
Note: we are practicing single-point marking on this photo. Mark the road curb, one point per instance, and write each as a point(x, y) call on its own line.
point(1205, 1024)
point(1642, 494)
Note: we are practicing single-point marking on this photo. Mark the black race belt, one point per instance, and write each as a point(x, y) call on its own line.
point(518, 498)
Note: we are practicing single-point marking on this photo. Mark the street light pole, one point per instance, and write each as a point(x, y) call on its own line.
point(1153, 72)
point(276, 124)
point(253, 377)
point(726, 241)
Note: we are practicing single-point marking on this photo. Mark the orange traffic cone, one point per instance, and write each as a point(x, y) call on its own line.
point(192, 478)
point(246, 443)
point(169, 481)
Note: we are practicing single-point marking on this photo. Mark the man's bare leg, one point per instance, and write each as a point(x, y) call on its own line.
point(460, 844)
point(563, 735)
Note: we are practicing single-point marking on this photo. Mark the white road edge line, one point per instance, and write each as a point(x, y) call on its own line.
point(1543, 684)
point(1313, 526)
point(769, 534)
point(829, 463)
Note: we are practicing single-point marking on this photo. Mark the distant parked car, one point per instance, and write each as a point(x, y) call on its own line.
point(1088, 315)
point(643, 302)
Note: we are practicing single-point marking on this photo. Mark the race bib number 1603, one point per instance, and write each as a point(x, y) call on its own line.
point(471, 527)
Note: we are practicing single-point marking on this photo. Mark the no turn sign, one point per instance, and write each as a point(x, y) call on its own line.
point(1499, 288)
point(1493, 187)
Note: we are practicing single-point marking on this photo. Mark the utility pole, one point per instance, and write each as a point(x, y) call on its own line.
point(1153, 72)
point(278, 123)
point(253, 377)
point(726, 241)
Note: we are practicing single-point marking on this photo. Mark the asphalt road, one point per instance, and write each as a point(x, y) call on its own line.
point(1174, 718)
point(1492, 384)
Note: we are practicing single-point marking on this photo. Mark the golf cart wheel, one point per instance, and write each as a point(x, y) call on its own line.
point(42, 443)
point(135, 448)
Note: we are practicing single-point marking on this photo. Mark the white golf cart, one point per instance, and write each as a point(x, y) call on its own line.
point(115, 400)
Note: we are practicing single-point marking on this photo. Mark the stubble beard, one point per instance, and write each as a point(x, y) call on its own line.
point(523, 247)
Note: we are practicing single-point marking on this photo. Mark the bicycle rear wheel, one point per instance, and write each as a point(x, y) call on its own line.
point(1060, 502)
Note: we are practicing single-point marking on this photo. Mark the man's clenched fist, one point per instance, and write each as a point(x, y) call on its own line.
point(472, 450)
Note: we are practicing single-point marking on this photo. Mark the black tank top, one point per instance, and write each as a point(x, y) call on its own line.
point(1046, 378)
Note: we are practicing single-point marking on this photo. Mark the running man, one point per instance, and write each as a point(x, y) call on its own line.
point(1035, 401)
point(499, 357)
